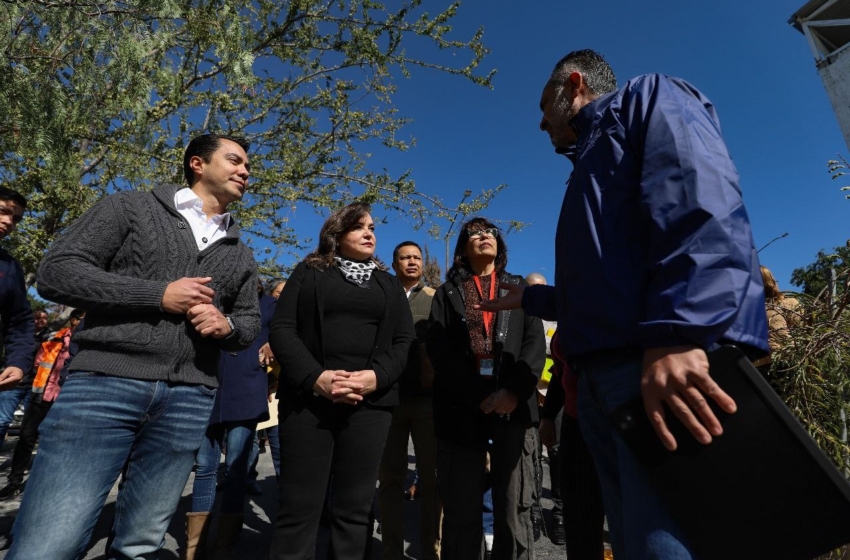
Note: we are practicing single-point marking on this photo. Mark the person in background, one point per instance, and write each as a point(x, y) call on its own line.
point(556, 535)
point(49, 361)
point(269, 427)
point(19, 396)
point(782, 312)
point(341, 333)
point(412, 417)
point(240, 403)
point(485, 398)
point(583, 515)
point(16, 316)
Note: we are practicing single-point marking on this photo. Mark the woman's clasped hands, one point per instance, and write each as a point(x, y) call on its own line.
point(347, 387)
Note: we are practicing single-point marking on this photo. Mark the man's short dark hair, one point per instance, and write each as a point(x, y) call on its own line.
point(598, 75)
point(405, 244)
point(9, 194)
point(204, 147)
point(78, 313)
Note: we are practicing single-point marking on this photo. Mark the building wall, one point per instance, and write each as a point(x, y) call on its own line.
point(836, 80)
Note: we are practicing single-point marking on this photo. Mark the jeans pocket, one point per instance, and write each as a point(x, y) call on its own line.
point(207, 391)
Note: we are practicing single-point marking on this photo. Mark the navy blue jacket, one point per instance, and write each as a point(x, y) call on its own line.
point(242, 381)
point(653, 246)
point(16, 315)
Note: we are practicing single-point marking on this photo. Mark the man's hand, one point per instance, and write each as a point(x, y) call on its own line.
point(209, 321)
point(679, 376)
point(266, 356)
point(502, 402)
point(513, 299)
point(10, 377)
point(547, 432)
point(353, 386)
point(182, 295)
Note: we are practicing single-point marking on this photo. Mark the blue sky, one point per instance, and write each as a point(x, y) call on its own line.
point(744, 56)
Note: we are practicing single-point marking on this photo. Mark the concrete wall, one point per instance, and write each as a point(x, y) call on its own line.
point(836, 80)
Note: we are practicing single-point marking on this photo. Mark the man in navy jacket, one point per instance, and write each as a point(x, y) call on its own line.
point(15, 312)
point(655, 266)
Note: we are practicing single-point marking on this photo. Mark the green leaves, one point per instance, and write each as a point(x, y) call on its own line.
point(103, 96)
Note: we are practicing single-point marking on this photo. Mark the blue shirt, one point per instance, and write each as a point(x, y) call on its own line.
point(653, 246)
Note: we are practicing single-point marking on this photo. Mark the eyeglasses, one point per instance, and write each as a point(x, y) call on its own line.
point(489, 232)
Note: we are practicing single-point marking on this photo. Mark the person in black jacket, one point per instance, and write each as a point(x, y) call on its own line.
point(486, 370)
point(341, 333)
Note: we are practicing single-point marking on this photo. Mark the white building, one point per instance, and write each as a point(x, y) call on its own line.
point(826, 25)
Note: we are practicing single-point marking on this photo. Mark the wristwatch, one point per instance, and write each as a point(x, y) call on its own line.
point(230, 322)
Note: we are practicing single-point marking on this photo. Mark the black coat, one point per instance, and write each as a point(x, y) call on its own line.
point(520, 351)
point(296, 334)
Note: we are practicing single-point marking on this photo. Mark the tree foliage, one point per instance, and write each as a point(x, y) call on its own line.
point(810, 368)
point(103, 95)
point(813, 279)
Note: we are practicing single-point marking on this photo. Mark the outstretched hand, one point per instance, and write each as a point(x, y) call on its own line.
point(512, 300)
point(679, 377)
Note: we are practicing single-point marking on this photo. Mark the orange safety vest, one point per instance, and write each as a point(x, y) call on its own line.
point(47, 355)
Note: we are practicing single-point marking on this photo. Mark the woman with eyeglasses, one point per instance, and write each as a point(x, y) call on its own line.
point(486, 370)
point(341, 333)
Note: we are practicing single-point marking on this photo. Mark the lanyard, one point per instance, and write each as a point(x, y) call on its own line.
point(488, 316)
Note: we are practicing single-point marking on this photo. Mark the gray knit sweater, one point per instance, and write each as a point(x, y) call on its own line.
point(115, 262)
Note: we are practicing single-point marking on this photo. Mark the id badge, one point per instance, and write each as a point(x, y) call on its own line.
point(486, 366)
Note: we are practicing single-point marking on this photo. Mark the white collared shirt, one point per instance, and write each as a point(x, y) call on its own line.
point(206, 231)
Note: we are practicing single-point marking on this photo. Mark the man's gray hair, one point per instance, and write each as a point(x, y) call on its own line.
point(598, 75)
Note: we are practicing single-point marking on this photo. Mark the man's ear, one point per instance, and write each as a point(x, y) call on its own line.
point(577, 84)
point(196, 164)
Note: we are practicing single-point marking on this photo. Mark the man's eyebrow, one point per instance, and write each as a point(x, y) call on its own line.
point(240, 158)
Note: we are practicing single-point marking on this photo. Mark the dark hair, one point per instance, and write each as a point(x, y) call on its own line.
point(78, 313)
point(460, 264)
point(405, 244)
point(34, 311)
point(597, 74)
point(204, 147)
point(9, 194)
point(338, 224)
point(273, 283)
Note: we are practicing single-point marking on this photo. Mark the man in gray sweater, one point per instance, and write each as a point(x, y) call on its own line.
point(167, 284)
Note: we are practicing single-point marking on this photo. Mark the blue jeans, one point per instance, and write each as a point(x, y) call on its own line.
point(639, 526)
point(99, 424)
point(488, 512)
point(239, 439)
point(9, 402)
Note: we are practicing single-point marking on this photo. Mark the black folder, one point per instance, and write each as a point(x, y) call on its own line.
point(762, 490)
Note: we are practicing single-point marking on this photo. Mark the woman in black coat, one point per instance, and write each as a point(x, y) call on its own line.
point(341, 333)
point(486, 370)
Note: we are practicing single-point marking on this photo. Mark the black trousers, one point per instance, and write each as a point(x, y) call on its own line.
point(555, 472)
point(584, 514)
point(320, 440)
point(33, 417)
point(461, 480)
